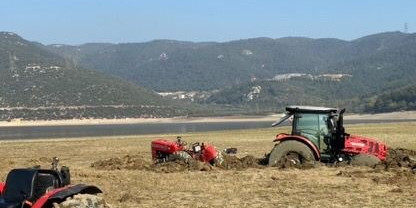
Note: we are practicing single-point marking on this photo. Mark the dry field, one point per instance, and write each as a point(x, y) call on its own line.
point(253, 187)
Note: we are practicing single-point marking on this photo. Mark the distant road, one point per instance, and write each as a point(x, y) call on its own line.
point(76, 131)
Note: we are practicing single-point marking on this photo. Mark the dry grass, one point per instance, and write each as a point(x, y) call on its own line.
point(268, 187)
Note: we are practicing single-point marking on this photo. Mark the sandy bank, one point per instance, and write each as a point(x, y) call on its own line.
point(404, 115)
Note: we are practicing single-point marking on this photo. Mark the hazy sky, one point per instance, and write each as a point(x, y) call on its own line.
point(81, 21)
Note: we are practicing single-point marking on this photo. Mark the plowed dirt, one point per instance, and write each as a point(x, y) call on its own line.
point(399, 158)
point(398, 170)
point(235, 163)
point(136, 162)
point(128, 162)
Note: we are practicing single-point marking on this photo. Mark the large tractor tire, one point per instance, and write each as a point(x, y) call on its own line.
point(364, 160)
point(180, 156)
point(83, 201)
point(292, 151)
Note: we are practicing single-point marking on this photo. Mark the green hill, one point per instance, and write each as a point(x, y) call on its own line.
point(387, 62)
point(292, 70)
point(274, 95)
point(38, 84)
point(173, 65)
point(394, 100)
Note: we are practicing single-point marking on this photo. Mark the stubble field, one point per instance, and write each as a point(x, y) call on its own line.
point(134, 185)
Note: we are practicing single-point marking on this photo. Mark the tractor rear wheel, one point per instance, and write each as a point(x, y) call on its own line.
point(364, 160)
point(294, 151)
point(83, 201)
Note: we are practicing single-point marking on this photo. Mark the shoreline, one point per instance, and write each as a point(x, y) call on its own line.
point(402, 115)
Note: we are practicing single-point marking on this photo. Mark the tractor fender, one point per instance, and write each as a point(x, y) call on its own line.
point(307, 142)
point(209, 153)
point(2, 185)
point(60, 194)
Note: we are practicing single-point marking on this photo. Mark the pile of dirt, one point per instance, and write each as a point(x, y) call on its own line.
point(287, 163)
point(128, 162)
point(399, 158)
point(235, 163)
point(83, 200)
point(399, 170)
point(180, 166)
point(136, 162)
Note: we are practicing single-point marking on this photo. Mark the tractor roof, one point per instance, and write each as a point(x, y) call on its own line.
point(310, 109)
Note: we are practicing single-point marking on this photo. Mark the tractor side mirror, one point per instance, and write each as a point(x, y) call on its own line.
point(55, 162)
point(282, 119)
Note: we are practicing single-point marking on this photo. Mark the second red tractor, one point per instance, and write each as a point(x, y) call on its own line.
point(318, 134)
point(166, 150)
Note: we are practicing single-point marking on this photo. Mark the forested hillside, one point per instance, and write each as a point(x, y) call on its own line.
point(258, 75)
point(394, 100)
point(387, 62)
point(37, 84)
point(172, 65)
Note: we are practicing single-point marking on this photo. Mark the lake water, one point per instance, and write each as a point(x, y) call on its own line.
point(43, 132)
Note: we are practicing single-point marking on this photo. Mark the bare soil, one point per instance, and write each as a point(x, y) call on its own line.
point(398, 159)
point(122, 168)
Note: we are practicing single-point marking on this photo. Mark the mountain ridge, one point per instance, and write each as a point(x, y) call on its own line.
point(223, 74)
point(223, 63)
point(38, 84)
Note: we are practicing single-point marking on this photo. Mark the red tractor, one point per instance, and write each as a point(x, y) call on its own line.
point(41, 188)
point(318, 134)
point(165, 150)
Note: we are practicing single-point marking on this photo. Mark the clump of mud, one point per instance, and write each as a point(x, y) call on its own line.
point(230, 163)
point(180, 166)
point(399, 169)
point(399, 158)
point(287, 163)
point(136, 162)
point(235, 163)
point(83, 200)
point(128, 162)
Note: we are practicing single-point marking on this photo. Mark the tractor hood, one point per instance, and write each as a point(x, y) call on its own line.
point(355, 144)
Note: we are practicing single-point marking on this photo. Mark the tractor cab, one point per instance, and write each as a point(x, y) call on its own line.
point(318, 134)
point(25, 186)
point(43, 188)
point(320, 125)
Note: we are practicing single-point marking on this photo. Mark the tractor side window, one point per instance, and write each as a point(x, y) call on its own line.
point(323, 124)
point(308, 122)
point(308, 125)
point(314, 127)
point(324, 132)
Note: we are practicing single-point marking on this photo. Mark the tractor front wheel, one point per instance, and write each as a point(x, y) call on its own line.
point(293, 151)
point(83, 201)
point(364, 160)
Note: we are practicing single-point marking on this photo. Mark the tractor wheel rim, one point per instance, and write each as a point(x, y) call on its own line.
point(293, 158)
